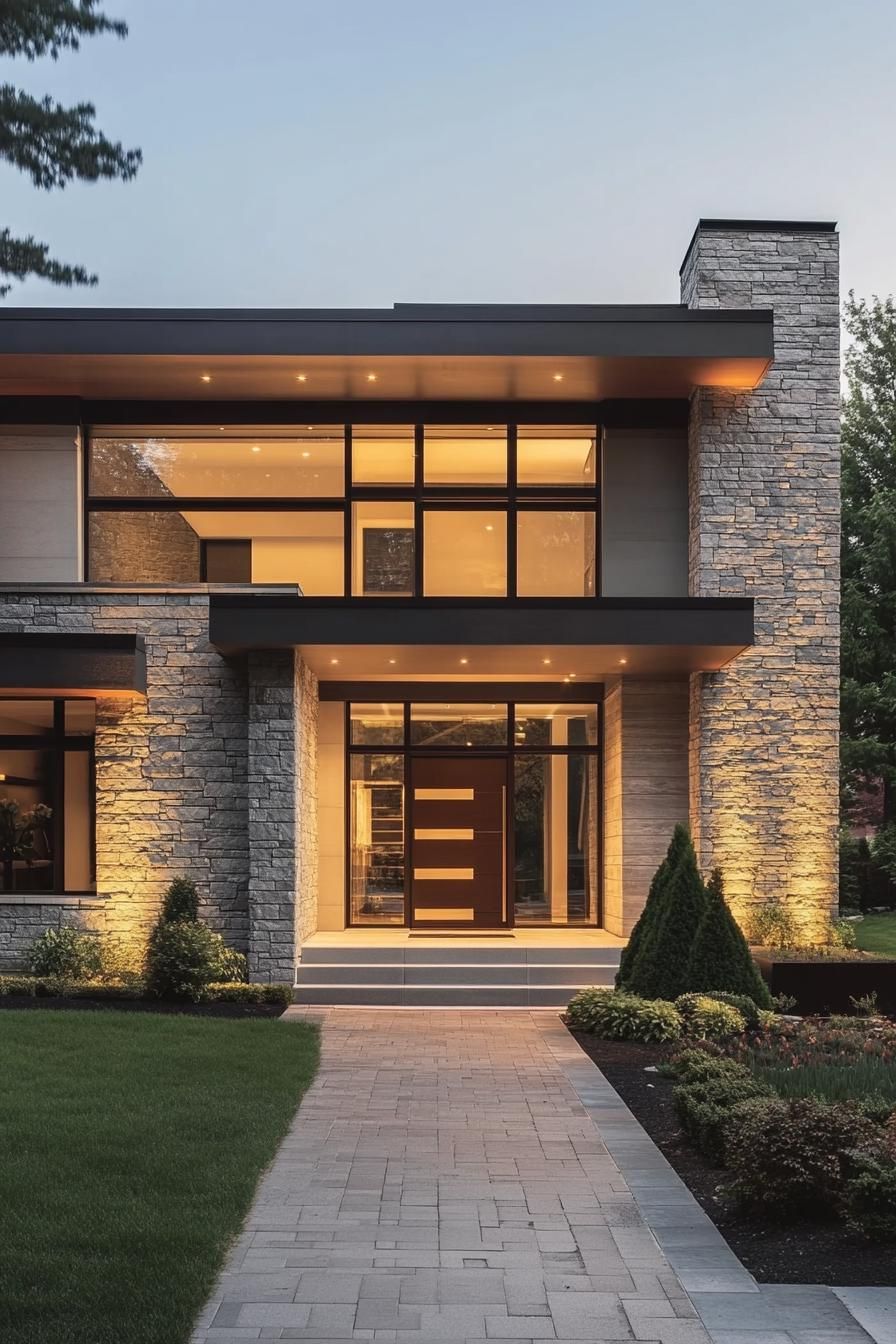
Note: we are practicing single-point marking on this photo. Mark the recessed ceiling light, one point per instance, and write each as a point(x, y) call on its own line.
point(489, 527)
point(391, 662)
point(301, 377)
point(221, 427)
point(371, 377)
point(572, 676)
point(464, 660)
point(206, 378)
point(558, 377)
point(566, 681)
point(256, 448)
point(333, 662)
point(306, 454)
point(623, 661)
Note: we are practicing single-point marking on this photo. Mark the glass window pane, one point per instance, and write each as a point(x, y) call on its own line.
point(308, 461)
point(555, 553)
point(555, 726)
point(383, 549)
point(27, 795)
point(555, 838)
point(465, 455)
point(80, 718)
point(26, 718)
point(458, 725)
point(464, 553)
point(377, 725)
point(556, 455)
point(376, 881)
point(383, 454)
point(286, 547)
point(80, 873)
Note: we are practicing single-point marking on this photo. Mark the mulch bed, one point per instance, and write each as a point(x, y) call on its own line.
point(802, 1252)
point(145, 1006)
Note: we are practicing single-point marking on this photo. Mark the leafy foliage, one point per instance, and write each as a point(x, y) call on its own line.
point(180, 902)
point(708, 1018)
point(660, 970)
point(623, 1017)
point(792, 1157)
point(704, 1106)
point(720, 957)
point(67, 954)
point(183, 958)
point(677, 845)
point(771, 925)
point(238, 991)
point(52, 143)
point(869, 1199)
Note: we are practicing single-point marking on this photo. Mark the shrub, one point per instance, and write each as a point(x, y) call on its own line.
point(705, 1105)
point(238, 991)
point(747, 1007)
point(180, 904)
point(702, 1061)
point(869, 1200)
point(183, 957)
point(771, 925)
point(18, 984)
point(866, 1005)
point(791, 1157)
point(660, 969)
point(67, 954)
point(720, 957)
point(709, 1018)
point(653, 905)
point(623, 1017)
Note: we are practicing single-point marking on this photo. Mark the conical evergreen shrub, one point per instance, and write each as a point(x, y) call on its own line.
point(720, 957)
point(661, 968)
point(181, 902)
point(653, 904)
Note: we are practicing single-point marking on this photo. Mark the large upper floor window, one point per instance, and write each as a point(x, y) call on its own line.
point(360, 510)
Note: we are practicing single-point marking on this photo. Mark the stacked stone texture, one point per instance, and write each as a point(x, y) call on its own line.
point(171, 771)
point(765, 515)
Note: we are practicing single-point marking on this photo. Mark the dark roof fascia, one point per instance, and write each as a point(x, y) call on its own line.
point(756, 226)
point(630, 332)
point(38, 662)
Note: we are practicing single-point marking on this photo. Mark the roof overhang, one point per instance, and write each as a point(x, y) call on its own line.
point(72, 664)
point(510, 352)
point(526, 640)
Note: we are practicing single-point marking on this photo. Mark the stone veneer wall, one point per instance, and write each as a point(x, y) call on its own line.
point(765, 513)
point(171, 770)
point(645, 773)
point(282, 811)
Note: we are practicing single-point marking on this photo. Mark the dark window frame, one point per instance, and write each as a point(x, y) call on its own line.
point(60, 744)
point(509, 752)
point(508, 498)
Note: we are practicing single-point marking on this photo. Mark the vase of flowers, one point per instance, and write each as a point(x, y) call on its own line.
point(19, 832)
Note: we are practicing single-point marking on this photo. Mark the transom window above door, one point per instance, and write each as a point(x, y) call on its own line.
point(349, 510)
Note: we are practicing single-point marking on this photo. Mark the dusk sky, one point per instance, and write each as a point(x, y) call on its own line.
point(347, 153)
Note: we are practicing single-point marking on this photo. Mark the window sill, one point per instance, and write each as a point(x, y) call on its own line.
point(83, 899)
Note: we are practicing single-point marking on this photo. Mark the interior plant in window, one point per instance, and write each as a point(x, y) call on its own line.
point(21, 834)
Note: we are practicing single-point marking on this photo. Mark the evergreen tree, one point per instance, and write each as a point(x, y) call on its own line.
point(52, 144)
point(652, 905)
point(868, 553)
point(720, 958)
point(181, 902)
point(660, 970)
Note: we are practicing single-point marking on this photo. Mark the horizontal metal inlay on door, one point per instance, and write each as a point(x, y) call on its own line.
point(446, 913)
point(444, 795)
point(443, 833)
point(443, 874)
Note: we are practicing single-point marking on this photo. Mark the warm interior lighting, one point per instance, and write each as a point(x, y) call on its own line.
point(623, 661)
point(571, 675)
point(301, 377)
point(333, 662)
point(464, 660)
point(546, 661)
point(306, 454)
point(371, 377)
point(256, 448)
point(206, 378)
point(391, 662)
point(558, 377)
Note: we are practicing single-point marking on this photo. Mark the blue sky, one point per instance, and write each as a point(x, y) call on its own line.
point(355, 153)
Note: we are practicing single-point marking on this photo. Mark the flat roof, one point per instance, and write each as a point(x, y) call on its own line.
point(453, 351)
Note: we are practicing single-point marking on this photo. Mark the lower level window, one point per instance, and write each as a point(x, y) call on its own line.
point(47, 796)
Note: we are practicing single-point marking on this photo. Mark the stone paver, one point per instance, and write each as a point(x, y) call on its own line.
point(448, 1179)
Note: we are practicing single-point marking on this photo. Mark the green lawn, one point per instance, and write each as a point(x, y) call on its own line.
point(877, 933)
point(131, 1146)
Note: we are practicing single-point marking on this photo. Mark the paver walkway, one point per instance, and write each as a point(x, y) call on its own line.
point(445, 1181)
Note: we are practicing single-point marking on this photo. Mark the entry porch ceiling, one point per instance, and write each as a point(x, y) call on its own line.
point(537, 641)
point(409, 352)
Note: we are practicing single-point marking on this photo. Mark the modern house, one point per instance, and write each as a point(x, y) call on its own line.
point(427, 622)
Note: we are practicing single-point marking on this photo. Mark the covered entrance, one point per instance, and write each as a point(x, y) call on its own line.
point(466, 813)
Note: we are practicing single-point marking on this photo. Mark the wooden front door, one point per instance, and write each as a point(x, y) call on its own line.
point(457, 820)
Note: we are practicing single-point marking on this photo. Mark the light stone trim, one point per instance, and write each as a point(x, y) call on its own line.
point(765, 516)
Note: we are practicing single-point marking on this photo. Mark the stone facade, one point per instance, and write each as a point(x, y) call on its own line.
point(765, 513)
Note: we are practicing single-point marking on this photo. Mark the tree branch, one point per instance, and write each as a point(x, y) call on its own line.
point(21, 257)
point(55, 144)
point(33, 28)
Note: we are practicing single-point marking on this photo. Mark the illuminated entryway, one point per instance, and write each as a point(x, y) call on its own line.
point(478, 815)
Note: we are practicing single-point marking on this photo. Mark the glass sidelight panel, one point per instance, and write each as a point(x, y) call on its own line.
point(555, 824)
point(464, 553)
point(458, 725)
point(555, 553)
point(377, 839)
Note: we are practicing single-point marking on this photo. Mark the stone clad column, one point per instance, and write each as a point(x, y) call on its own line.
point(282, 812)
point(764, 521)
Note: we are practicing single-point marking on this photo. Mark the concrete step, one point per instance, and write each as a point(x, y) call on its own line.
point(457, 973)
point(454, 953)
point(435, 996)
